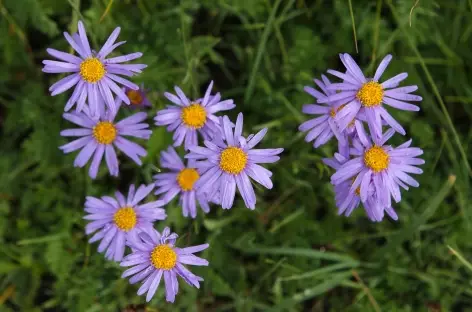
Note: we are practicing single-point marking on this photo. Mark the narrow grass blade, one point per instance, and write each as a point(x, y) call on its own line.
point(300, 252)
point(286, 220)
point(318, 273)
point(334, 281)
point(107, 10)
point(460, 257)
point(40, 240)
point(260, 51)
point(351, 12)
point(367, 291)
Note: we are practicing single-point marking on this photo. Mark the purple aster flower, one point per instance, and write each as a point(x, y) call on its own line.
point(347, 199)
point(230, 163)
point(187, 117)
point(138, 98)
point(379, 169)
point(367, 95)
point(115, 220)
point(155, 255)
point(93, 75)
point(181, 180)
point(99, 135)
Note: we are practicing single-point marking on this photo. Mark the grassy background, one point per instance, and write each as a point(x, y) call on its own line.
point(293, 253)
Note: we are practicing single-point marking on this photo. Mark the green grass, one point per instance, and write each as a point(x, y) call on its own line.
point(293, 253)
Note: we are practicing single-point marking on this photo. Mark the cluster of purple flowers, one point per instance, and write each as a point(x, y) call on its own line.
point(368, 171)
point(225, 161)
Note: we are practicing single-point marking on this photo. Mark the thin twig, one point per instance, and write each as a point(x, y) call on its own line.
point(376, 31)
point(188, 59)
point(412, 8)
point(353, 25)
point(107, 9)
point(366, 289)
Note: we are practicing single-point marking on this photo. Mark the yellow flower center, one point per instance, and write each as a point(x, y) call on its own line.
point(370, 94)
point(92, 70)
point(233, 160)
point(334, 111)
point(104, 132)
point(134, 97)
point(376, 158)
point(187, 178)
point(163, 257)
point(194, 116)
point(125, 218)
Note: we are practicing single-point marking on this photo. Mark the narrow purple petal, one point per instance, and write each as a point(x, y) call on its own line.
point(206, 97)
point(400, 105)
point(188, 276)
point(315, 93)
point(382, 66)
point(345, 77)
point(238, 130)
point(312, 123)
point(132, 68)
point(97, 158)
point(193, 260)
point(348, 170)
point(142, 275)
point(228, 132)
point(64, 84)
point(133, 119)
point(141, 193)
point(111, 160)
point(155, 281)
point(170, 293)
point(83, 39)
point(256, 138)
point(124, 58)
point(221, 106)
point(107, 95)
point(58, 64)
point(106, 46)
point(76, 132)
point(394, 81)
point(228, 189)
point(246, 190)
point(260, 174)
point(343, 95)
point(107, 239)
point(192, 249)
point(75, 95)
point(57, 70)
point(315, 109)
point(131, 149)
point(123, 81)
point(85, 154)
point(76, 144)
point(405, 96)
point(66, 57)
point(353, 67)
point(391, 121)
point(184, 100)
